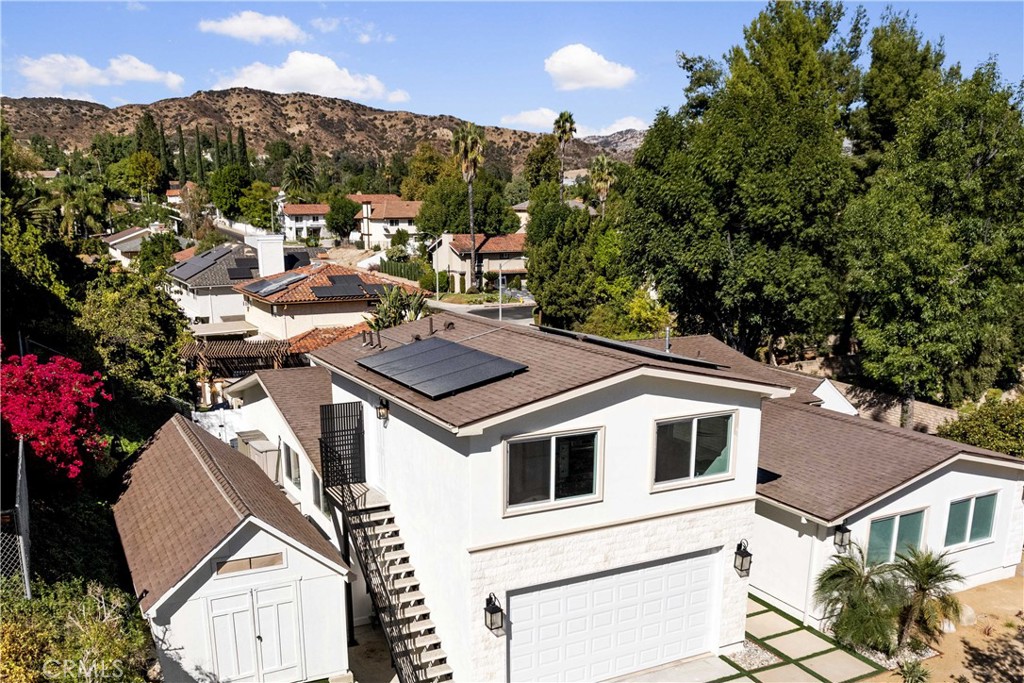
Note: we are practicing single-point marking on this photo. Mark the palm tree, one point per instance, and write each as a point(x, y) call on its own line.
point(82, 205)
point(299, 174)
point(860, 600)
point(468, 148)
point(929, 580)
point(601, 177)
point(565, 127)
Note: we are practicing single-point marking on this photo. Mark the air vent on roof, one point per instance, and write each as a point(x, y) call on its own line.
point(631, 348)
point(267, 287)
point(197, 264)
point(437, 368)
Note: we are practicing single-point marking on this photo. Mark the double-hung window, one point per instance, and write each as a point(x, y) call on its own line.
point(320, 496)
point(290, 458)
point(890, 535)
point(692, 448)
point(970, 519)
point(551, 469)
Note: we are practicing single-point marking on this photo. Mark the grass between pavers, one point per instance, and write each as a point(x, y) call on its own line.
point(785, 659)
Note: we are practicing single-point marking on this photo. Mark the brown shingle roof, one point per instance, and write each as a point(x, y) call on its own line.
point(556, 365)
point(394, 208)
point(306, 209)
point(319, 337)
point(318, 275)
point(827, 464)
point(298, 393)
point(499, 244)
point(187, 492)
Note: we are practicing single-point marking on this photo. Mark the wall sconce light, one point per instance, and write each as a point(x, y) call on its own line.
point(383, 409)
point(742, 561)
point(494, 618)
point(842, 538)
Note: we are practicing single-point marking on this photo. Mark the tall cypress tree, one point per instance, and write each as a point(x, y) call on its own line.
point(166, 163)
point(243, 153)
point(200, 176)
point(216, 149)
point(182, 166)
point(231, 148)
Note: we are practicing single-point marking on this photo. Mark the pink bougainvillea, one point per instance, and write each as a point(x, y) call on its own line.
point(52, 406)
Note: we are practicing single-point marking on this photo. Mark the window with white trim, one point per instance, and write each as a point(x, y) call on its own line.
point(890, 535)
point(290, 458)
point(693, 448)
point(552, 468)
point(245, 564)
point(320, 499)
point(970, 519)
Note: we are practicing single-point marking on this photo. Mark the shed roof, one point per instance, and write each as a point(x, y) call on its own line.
point(186, 492)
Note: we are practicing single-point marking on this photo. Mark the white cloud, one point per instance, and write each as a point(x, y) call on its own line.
point(50, 74)
point(576, 66)
point(541, 119)
point(312, 73)
point(325, 24)
point(625, 123)
point(254, 27)
point(133, 6)
point(366, 32)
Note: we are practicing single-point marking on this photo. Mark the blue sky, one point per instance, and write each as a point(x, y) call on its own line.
point(514, 64)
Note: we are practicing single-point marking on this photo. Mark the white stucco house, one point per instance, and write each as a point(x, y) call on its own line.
point(125, 245)
point(382, 215)
point(504, 254)
point(235, 584)
point(300, 221)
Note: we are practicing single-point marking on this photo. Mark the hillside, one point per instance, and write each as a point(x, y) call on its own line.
point(326, 124)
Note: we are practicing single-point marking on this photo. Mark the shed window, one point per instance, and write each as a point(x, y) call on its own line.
point(890, 535)
point(693, 448)
point(245, 564)
point(970, 519)
point(552, 469)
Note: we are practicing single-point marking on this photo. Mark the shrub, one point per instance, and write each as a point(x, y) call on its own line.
point(462, 283)
point(912, 671)
point(397, 254)
point(490, 281)
point(376, 247)
point(444, 282)
point(428, 281)
point(400, 238)
point(360, 245)
point(473, 290)
point(516, 283)
point(312, 241)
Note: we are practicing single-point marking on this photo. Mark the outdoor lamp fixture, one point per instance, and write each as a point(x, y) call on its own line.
point(842, 538)
point(494, 618)
point(383, 409)
point(742, 561)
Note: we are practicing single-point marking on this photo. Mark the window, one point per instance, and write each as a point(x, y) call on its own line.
point(245, 564)
point(320, 496)
point(970, 519)
point(551, 469)
point(290, 458)
point(409, 222)
point(393, 222)
point(891, 535)
point(693, 448)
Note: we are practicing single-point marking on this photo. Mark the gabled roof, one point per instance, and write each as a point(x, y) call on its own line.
point(361, 198)
point(187, 492)
point(184, 254)
point(298, 394)
point(318, 275)
point(319, 337)
point(126, 234)
point(829, 465)
point(216, 267)
point(498, 244)
point(557, 365)
point(393, 208)
point(306, 209)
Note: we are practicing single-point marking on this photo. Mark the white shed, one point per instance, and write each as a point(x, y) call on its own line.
point(235, 583)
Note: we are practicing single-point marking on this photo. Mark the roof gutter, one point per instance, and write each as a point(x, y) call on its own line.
point(797, 511)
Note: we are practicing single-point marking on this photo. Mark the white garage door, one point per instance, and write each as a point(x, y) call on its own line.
point(612, 624)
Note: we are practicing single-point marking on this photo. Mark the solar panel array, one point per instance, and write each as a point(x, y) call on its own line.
point(341, 285)
point(296, 259)
point(437, 367)
point(247, 262)
point(276, 284)
point(197, 264)
point(240, 273)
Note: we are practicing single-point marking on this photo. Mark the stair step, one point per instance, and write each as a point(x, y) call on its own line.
point(426, 640)
point(400, 568)
point(396, 555)
point(435, 655)
point(384, 528)
point(387, 542)
point(413, 611)
point(419, 626)
point(438, 671)
point(410, 597)
point(376, 516)
point(405, 582)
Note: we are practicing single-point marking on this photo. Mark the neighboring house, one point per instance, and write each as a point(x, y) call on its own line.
point(309, 297)
point(124, 246)
point(522, 210)
point(382, 215)
point(301, 221)
point(575, 176)
point(234, 582)
point(184, 254)
point(598, 491)
point(203, 286)
point(501, 253)
point(173, 194)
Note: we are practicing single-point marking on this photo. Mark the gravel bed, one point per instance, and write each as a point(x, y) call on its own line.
point(891, 663)
point(753, 656)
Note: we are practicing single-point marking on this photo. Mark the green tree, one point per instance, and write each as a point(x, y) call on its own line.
point(167, 169)
point(209, 237)
point(602, 178)
point(424, 168)
point(340, 219)
point(82, 206)
point(468, 149)
point(231, 148)
point(995, 425)
point(107, 148)
point(182, 166)
point(216, 150)
point(147, 135)
point(225, 186)
point(929, 580)
point(256, 205)
point(565, 128)
point(194, 199)
point(200, 171)
point(542, 162)
point(517, 190)
point(137, 175)
point(243, 153)
point(157, 253)
point(299, 175)
point(446, 208)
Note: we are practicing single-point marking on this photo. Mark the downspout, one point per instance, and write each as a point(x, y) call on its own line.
point(809, 593)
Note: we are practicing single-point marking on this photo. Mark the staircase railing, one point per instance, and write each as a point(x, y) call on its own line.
point(341, 456)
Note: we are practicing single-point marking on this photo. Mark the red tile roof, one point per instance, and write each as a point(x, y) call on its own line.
point(360, 198)
point(184, 254)
point(318, 275)
point(320, 337)
point(394, 208)
point(498, 244)
point(306, 209)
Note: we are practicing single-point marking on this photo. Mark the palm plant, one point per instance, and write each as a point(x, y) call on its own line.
point(861, 600)
point(468, 148)
point(82, 205)
point(601, 177)
point(396, 307)
point(299, 174)
point(913, 671)
point(929, 580)
point(565, 128)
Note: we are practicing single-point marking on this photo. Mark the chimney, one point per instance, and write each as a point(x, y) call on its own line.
point(270, 252)
point(668, 339)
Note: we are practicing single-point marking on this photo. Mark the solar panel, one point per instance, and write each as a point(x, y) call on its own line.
point(247, 262)
point(240, 273)
point(276, 284)
point(197, 264)
point(296, 259)
point(437, 368)
point(341, 285)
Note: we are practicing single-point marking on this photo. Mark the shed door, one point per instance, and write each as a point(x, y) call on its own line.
point(615, 623)
point(234, 642)
point(256, 635)
point(277, 627)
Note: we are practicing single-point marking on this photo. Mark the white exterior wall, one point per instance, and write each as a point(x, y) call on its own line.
point(379, 232)
point(216, 303)
point(784, 556)
point(181, 626)
point(293, 319)
point(833, 399)
point(298, 227)
point(447, 494)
